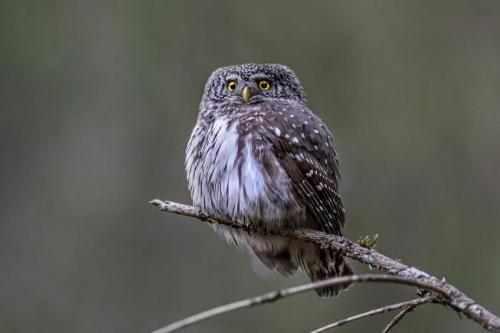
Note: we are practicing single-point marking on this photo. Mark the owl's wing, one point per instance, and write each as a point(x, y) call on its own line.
point(306, 150)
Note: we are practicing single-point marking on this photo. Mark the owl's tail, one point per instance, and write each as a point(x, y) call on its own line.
point(319, 264)
point(328, 265)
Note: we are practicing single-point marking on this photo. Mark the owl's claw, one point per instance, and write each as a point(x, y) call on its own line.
point(368, 241)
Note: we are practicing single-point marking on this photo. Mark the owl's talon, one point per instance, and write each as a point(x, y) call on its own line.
point(368, 241)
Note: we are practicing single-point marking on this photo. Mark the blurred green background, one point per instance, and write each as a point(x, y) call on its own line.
point(98, 99)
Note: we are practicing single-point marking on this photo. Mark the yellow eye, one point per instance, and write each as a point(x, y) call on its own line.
point(264, 85)
point(231, 85)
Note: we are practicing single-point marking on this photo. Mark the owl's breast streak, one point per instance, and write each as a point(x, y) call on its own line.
point(238, 175)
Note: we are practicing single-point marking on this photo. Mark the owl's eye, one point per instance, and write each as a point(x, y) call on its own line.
point(231, 85)
point(264, 85)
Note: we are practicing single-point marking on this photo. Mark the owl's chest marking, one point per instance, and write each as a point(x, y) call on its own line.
point(239, 175)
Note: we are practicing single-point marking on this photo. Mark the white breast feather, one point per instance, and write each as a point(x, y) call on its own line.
point(216, 185)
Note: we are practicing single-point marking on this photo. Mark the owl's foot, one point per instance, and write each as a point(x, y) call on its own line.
point(368, 241)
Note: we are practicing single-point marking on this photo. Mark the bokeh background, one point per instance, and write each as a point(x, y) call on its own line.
point(98, 99)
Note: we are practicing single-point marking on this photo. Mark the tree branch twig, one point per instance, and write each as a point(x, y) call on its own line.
point(392, 307)
point(399, 317)
point(279, 294)
point(450, 295)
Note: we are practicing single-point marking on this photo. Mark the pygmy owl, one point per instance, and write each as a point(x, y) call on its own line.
point(258, 155)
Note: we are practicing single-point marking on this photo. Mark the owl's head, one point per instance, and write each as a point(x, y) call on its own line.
point(253, 83)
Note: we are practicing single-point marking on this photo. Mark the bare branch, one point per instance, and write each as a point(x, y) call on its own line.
point(399, 316)
point(392, 307)
point(453, 296)
point(279, 294)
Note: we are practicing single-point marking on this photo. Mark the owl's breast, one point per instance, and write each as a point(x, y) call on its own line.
point(233, 171)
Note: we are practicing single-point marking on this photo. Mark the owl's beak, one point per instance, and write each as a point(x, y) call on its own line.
point(246, 93)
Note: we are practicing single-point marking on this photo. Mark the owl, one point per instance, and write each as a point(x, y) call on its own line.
point(258, 155)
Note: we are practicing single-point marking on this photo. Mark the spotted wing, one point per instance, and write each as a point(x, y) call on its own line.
point(306, 150)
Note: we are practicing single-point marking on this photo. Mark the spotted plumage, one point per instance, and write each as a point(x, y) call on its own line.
point(258, 155)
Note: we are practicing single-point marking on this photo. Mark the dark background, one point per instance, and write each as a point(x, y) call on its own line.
point(98, 99)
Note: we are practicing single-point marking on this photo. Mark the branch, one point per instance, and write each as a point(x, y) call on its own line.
point(452, 296)
point(384, 309)
point(398, 317)
point(279, 294)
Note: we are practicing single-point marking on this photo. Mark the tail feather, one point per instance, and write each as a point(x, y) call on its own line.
point(319, 264)
point(286, 256)
point(280, 261)
point(329, 265)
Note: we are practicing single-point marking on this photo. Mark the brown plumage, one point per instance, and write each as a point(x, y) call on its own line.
point(259, 155)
